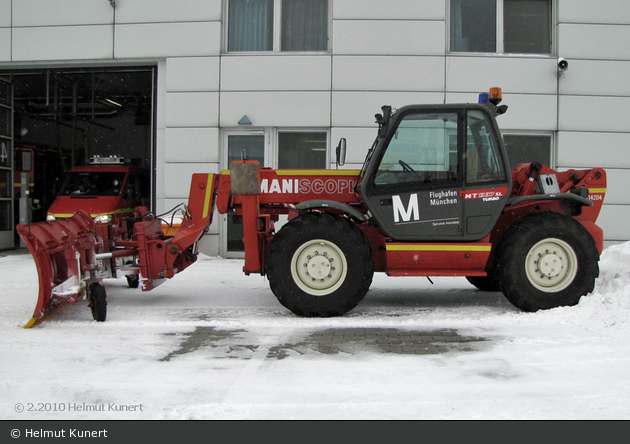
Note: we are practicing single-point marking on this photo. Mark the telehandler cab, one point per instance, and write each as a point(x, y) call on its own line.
point(435, 197)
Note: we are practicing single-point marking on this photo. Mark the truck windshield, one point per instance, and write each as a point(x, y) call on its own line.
point(93, 184)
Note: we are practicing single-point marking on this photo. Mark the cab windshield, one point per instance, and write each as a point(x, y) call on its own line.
point(93, 183)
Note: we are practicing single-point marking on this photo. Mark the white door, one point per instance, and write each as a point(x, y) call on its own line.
point(239, 145)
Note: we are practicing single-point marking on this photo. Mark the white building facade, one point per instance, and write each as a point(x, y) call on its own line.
point(258, 78)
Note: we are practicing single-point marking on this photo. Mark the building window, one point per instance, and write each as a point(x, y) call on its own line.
point(297, 150)
point(501, 26)
point(250, 25)
point(277, 25)
point(527, 148)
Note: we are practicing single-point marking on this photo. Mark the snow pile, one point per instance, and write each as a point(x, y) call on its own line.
point(615, 267)
point(609, 304)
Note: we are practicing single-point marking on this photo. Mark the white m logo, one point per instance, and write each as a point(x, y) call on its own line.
point(406, 214)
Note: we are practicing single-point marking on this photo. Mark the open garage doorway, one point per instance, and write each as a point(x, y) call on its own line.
point(62, 117)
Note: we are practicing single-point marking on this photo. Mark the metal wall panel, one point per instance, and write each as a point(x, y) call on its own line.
point(191, 145)
point(192, 74)
point(596, 78)
point(588, 11)
point(391, 37)
point(523, 75)
point(597, 42)
point(154, 11)
point(167, 39)
point(388, 73)
point(275, 73)
point(584, 113)
point(62, 43)
point(5, 13)
point(612, 220)
point(581, 149)
point(5, 44)
point(195, 109)
point(61, 12)
point(276, 108)
point(616, 187)
point(390, 9)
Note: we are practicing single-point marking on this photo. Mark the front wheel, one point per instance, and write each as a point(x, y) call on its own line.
point(547, 261)
point(319, 265)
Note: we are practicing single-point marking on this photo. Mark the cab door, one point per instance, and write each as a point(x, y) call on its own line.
point(417, 183)
point(487, 182)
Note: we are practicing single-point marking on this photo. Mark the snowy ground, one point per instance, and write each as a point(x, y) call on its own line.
point(143, 363)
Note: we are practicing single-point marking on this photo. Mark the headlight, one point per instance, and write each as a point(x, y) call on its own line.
point(103, 218)
point(50, 217)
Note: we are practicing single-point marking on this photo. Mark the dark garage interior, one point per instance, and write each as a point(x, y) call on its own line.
point(64, 116)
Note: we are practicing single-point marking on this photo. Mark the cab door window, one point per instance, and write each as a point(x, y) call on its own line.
point(422, 150)
point(482, 158)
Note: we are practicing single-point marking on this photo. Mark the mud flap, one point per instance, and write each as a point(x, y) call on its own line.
point(62, 250)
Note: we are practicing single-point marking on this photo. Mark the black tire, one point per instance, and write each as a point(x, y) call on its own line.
point(133, 280)
point(338, 257)
point(546, 261)
point(98, 302)
point(485, 283)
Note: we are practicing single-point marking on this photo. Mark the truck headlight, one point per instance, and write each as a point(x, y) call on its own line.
point(50, 217)
point(103, 218)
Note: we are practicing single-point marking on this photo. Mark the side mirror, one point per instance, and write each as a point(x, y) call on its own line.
point(384, 122)
point(341, 152)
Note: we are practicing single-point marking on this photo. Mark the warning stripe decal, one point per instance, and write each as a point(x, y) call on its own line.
point(208, 199)
point(438, 247)
point(309, 172)
point(317, 172)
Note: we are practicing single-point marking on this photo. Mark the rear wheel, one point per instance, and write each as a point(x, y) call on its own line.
point(547, 261)
point(319, 265)
point(98, 302)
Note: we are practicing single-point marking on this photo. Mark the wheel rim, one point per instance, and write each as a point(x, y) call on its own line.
point(551, 265)
point(319, 267)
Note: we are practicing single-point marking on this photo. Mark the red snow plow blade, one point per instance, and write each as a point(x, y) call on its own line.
point(74, 255)
point(59, 248)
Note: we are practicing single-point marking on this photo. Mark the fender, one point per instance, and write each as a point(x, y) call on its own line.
point(323, 203)
point(562, 196)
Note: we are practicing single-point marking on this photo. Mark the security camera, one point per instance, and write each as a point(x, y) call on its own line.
point(563, 64)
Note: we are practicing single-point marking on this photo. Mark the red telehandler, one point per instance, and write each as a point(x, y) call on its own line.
point(435, 197)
